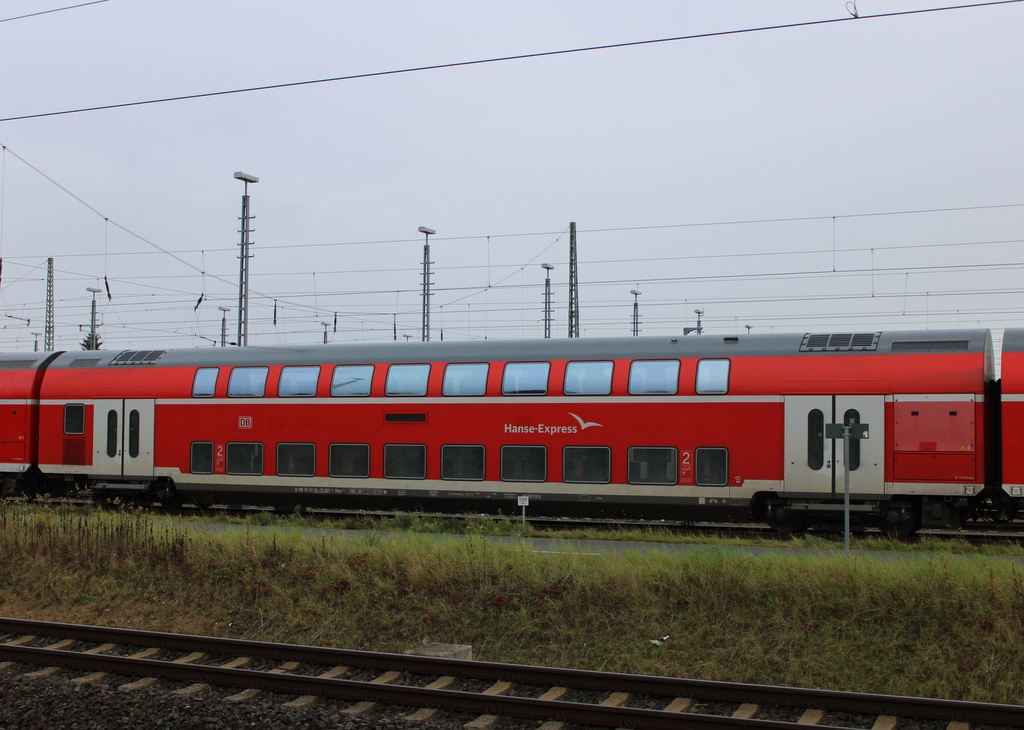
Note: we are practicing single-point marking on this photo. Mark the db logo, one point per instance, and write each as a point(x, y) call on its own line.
point(245, 421)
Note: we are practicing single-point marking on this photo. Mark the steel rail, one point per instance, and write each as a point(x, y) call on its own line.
point(524, 674)
point(393, 694)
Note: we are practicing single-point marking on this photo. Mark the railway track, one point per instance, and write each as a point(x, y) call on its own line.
point(976, 533)
point(475, 694)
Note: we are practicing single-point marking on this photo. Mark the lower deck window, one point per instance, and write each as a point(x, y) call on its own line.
point(652, 465)
point(74, 418)
point(462, 462)
point(524, 463)
point(245, 458)
point(202, 457)
point(296, 460)
point(350, 460)
point(712, 467)
point(405, 461)
point(586, 464)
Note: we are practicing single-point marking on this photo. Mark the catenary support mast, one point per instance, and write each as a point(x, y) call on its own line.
point(574, 302)
point(48, 330)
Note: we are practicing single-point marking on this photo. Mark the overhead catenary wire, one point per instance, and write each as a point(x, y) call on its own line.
point(517, 57)
point(52, 10)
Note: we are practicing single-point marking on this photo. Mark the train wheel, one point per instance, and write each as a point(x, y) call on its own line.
point(781, 519)
point(170, 498)
point(899, 520)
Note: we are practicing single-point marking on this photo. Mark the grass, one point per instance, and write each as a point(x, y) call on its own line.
point(513, 527)
point(936, 625)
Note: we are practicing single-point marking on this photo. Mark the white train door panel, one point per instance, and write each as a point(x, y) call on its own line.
point(815, 463)
point(122, 443)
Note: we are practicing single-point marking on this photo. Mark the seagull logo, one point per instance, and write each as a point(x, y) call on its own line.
point(584, 424)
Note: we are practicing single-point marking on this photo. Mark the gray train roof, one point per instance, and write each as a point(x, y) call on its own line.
point(746, 345)
point(1013, 339)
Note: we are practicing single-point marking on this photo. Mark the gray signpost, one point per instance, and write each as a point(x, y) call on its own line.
point(524, 502)
point(846, 431)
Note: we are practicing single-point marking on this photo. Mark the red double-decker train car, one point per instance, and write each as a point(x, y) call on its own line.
point(692, 428)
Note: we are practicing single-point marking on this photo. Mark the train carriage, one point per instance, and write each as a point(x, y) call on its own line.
point(698, 428)
point(20, 380)
point(1011, 417)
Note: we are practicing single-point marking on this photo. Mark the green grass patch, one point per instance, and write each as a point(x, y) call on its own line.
point(510, 526)
point(937, 625)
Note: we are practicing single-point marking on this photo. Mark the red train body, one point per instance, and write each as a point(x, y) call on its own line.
point(694, 428)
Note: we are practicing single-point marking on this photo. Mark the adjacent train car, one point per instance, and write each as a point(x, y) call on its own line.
point(20, 380)
point(699, 428)
point(1011, 417)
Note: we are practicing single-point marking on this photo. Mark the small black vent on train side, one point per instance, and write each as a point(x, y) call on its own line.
point(137, 357)
point(405, 417)
point(848, 341)
point(84, 362)
point(929, 346)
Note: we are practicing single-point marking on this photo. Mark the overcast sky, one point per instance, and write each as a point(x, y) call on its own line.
point(860, 175)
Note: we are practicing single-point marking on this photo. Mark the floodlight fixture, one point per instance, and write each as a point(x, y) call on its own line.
point(246, 177)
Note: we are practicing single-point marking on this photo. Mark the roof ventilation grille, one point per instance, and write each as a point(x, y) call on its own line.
point(840, 342)
point(929, 346)
point(137, 357)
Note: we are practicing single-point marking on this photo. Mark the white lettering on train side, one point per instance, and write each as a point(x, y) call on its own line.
point(540, 429)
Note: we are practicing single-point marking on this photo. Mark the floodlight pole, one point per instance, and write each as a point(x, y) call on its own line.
point(427, 233)
point(547, 300)
point(92, 320)
point(636, 311)
point(35, 347)
point(224, 326)
point(243, 270)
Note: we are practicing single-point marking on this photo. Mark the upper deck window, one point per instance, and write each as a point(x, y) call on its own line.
point(588, 378)
point(465, 378)
point(407, 380)
point(654, 377)
point(525, 378)
point(712, 377)
point(247, 382)
point(205, 382)
point(298, 380)
point(351, 380)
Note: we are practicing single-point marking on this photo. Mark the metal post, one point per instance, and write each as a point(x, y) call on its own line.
point(846, 489)
point(427, 233)
point(846, 431)
point(636, 311)
point(574, 301)
point(48, 326)
point(35, 346)
point(224, 326)
point(547, 300)
point(243, 269)
point(92, 320)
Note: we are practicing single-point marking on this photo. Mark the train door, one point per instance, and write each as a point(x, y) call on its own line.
point(122, 443)
point(815, 463)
